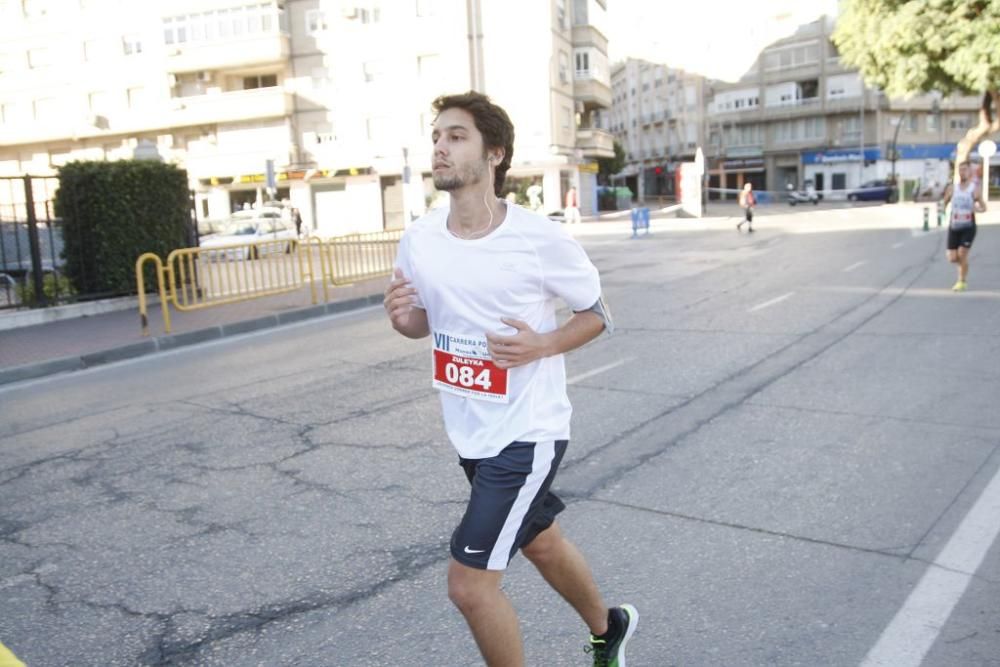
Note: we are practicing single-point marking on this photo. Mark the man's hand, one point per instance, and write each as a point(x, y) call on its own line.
point(398, 300)
point(522, 348)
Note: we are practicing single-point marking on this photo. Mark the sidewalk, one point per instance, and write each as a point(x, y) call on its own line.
point(83, 341)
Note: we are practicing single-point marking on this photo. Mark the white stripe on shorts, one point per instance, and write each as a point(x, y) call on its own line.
point(541, 465)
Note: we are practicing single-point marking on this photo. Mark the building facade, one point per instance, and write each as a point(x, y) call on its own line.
point(335, 95)
point(658, 118)
point(799, 115)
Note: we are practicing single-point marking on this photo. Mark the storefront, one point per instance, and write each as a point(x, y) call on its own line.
point(835, 170)
point(726, 177)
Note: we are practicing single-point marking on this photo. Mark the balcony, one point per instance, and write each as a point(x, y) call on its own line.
point(809, 106)
point(235, 106)
point(588, 35)
point(593, 92)
point(248, 51)
point(595, 142)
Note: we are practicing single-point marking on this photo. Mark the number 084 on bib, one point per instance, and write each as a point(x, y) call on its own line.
point(468, 371)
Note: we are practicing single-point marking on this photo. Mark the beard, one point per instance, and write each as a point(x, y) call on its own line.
point(468, 175)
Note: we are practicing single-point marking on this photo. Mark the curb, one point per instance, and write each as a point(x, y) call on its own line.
point(27, 318)
point(149, 346)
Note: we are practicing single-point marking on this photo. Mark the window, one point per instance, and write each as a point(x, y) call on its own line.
point(59, 157)
point(910, 122)
point(99, 102)
point(561, 13)
point(567, 118)
point(372, 15)
point(262, 17)
point(428, 65)
point(959, 123)
point(136, 98)
point(563, 67)
point(583, 63)
point(33, 9)
point(260, 81)
point(372, 70)
point(320, 78)
point(791, 56)
point(9, 112)
point(46, 108)
point(40, 57)
point(839, 181)
point(131, 45)
point(932, 122)
point(377, 128)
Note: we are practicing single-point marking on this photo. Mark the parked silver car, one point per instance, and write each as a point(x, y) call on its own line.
point(249, 235)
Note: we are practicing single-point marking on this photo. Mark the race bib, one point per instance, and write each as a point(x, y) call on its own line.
point(462, 366)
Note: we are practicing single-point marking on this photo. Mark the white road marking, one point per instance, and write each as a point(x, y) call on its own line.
point(597, 371)
point(856, 265)
point(761, 306)
point(896, 246)
point(912, 632)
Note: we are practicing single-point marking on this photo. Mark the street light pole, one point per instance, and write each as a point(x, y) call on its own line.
point(895, 138)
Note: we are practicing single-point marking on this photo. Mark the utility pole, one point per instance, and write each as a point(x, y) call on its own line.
point(861, 158)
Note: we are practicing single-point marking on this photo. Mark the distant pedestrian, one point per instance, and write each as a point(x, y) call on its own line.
point(966, 199)
point(747, 202)
point(297, 219)
point(572, 211)
point(534, 193)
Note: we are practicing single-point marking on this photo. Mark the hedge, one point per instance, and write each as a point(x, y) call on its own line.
point(112, 212)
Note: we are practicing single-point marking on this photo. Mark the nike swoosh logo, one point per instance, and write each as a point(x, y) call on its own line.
point(474, 551)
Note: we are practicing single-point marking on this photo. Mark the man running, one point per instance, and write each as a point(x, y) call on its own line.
point(966, 199)
point(483, 276)
point(747, 201)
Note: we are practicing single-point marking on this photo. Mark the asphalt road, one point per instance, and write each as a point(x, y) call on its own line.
point(786, 455)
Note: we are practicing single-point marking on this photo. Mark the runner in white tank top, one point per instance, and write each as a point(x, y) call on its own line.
point(966, 199)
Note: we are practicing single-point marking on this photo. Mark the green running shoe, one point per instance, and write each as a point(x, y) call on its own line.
point(609, 649)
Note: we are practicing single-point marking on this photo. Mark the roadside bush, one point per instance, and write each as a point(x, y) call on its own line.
point(113, 212)
point(53, 285)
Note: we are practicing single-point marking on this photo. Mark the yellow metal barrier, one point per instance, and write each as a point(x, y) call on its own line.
point(194, 278)
point(356, 257)
point(204, 277)
point(140, 280)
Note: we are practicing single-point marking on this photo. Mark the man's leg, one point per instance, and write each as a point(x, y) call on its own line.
point(488, 612)
point(564, 568)
point(963, 263)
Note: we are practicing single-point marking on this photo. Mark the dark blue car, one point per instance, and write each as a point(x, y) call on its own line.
point(873, 191)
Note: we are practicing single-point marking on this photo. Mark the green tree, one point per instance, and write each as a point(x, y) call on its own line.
point(609, 166)
point(917, 46)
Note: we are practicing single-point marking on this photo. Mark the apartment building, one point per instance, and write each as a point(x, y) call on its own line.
point(658, 117)
point(335, 94)
point(799, 114)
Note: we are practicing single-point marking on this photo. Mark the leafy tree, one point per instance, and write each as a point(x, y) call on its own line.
point(609, 166)
point(917, 46)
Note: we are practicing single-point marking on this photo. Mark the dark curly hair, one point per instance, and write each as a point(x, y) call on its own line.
point(491, 121)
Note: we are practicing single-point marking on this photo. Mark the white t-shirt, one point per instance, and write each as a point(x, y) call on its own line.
point(519, 271)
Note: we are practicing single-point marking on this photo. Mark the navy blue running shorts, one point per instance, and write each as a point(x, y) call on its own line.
point(510, 503)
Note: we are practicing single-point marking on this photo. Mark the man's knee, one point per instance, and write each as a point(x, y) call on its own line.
point(953, 256)
point(469, 588)
point(545, 547)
